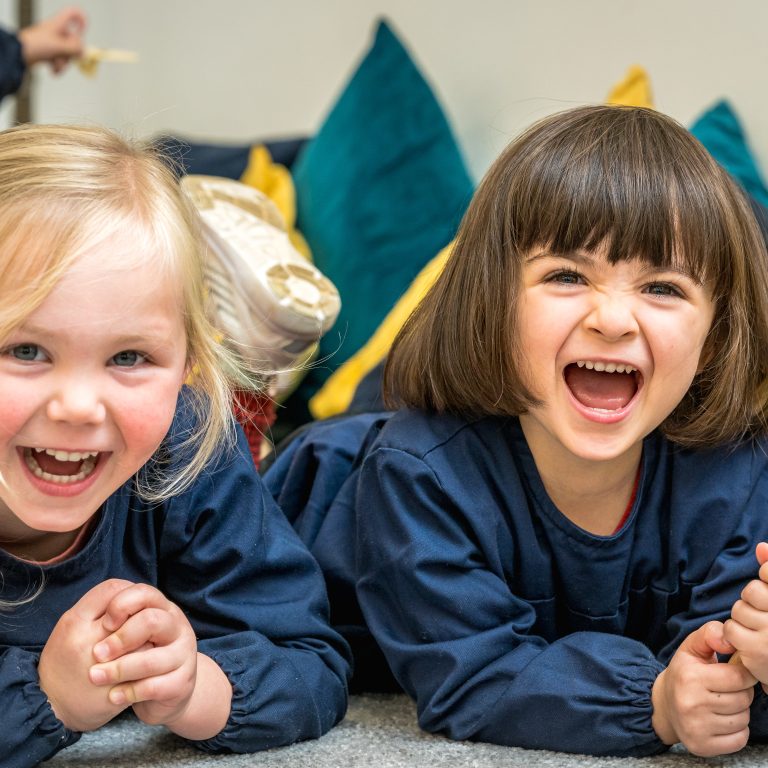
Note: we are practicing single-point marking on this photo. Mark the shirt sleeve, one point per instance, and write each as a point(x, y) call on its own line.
point(461, 643)
point(11, 63)
point(31, 731)
point(257, 601)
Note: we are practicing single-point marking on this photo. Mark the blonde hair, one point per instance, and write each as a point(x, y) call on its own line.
point(65, 188)
point(629, 177)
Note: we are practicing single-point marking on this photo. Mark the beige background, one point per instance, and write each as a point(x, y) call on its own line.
point(243, 69)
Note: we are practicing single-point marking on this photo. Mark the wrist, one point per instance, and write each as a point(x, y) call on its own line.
point(26, 38)
point(660, 719)
point(208, 709)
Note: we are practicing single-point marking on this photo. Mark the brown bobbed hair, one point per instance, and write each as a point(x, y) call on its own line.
point(631, 180)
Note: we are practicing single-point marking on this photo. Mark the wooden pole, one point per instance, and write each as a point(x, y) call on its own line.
point(25, 16)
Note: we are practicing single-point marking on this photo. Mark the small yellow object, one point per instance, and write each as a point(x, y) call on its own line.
point(89, 62)
point(634, 90)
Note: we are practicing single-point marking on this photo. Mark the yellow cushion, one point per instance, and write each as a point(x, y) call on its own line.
point(336, 394)
point(275, 181)
point(634, 90)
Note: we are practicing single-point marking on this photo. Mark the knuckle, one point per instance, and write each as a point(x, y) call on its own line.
point(150, 689)
point(153, 620)
point(751, 591)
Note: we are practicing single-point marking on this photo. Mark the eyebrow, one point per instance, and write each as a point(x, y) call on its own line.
point(154, 335)
point(589, 260)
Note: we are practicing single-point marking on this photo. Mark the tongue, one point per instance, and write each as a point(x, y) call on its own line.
point(54, 467)
point(595, 389)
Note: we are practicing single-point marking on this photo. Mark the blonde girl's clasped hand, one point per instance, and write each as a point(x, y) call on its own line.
point(142, 564)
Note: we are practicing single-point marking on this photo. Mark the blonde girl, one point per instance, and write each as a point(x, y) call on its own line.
point(142, 565)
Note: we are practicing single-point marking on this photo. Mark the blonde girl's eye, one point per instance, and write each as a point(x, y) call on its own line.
point(27, 353)
point(128, 358)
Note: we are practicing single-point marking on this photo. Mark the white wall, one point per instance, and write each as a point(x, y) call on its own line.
point(242, 69)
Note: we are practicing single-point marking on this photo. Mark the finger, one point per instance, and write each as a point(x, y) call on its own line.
point(151, 661)
point(94, 602)
point(59, 64)
point(714, 636)
point(728, 678)
point(173, 685)
point(698, 643)
point(73, 19)
point(732, 703)
point(724, 725)
point(131, 601)
point(721, 745)
point(748, 616)
point(761, 552)
point(756, 594)
point(154, 626)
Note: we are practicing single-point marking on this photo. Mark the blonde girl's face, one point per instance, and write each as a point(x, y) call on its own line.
point(88, 388)
point(609, 349)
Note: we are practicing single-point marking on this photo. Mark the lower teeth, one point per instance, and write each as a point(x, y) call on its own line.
point(85, 469)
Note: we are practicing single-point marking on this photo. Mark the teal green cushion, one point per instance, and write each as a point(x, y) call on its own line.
point(380, 190)
point(720, 131)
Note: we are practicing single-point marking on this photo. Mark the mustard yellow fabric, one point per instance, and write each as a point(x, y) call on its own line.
point(336, 394)
point(634, 90)
point(275, 181)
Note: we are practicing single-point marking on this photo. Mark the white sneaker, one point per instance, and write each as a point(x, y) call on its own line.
point(271, 304)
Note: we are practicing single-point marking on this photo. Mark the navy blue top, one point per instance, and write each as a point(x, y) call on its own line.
point(11, 63)
point(225, 554)
point(506, 622)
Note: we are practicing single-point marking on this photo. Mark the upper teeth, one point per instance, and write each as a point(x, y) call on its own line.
point(67, 455)
point(607, 367)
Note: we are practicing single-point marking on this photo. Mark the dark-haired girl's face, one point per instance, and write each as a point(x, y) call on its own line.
point(609, 349)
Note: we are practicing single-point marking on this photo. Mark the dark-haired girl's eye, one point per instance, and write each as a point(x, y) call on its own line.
point(566, 277)
point(664, 289)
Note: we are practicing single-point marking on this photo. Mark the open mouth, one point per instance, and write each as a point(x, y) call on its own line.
point(602, 386)
point(61, 467)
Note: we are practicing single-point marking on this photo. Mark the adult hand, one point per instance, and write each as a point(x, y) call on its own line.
point(56, 39)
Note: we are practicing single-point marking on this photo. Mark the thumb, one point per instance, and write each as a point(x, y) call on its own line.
point(761, 552)
point(706, 641)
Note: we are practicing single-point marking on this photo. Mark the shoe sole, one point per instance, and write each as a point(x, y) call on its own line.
point(267, 299)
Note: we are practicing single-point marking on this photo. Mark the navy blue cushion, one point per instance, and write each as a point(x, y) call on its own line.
point(227, 160)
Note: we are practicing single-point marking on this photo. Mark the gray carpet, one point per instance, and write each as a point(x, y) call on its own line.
point(379, 732)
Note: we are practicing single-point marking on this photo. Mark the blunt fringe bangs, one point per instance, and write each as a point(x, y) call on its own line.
point(632, 181)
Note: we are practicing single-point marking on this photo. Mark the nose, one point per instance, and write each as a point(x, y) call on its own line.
point(612, 316)
point(76, 401)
